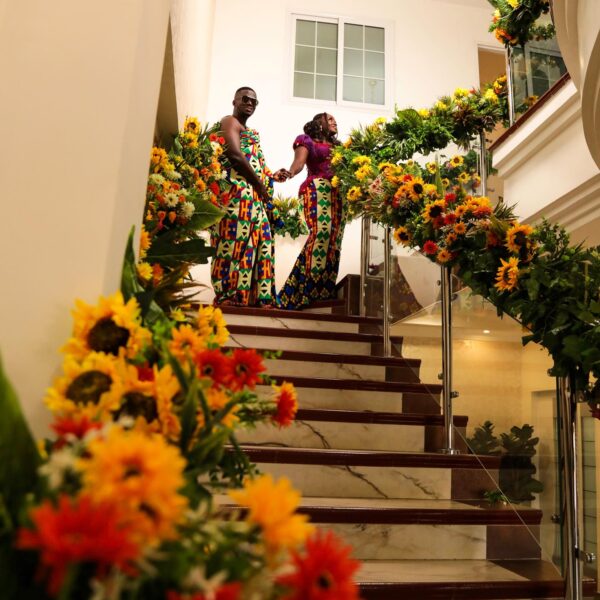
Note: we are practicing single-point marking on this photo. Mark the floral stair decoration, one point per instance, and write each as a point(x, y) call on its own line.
point(515, 21)
point(531, 273)
point(118, 503)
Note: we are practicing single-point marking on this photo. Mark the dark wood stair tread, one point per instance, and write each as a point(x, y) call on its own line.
point(361, 384)
point(374, 417)
point(309, 334)
point(368, 458)
point(355, 359)
point(300, 315)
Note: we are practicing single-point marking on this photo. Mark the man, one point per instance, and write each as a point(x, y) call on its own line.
point(243, 271)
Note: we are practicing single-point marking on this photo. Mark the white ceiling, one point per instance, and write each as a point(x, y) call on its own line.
point(472, 3)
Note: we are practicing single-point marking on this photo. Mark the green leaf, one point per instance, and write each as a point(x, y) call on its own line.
point(130, 286)
point(171, 255)
point(205, 215)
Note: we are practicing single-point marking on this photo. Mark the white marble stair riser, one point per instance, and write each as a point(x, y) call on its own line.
point(324, 344)
point(344, 399)
point(325, 370)
point(426, 542)
point(365, 482)
point(341, 436)
point(291, 323)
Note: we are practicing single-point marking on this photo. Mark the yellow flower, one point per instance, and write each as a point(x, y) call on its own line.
point(200, 185)
point(514, 3)
point(460, 92)
point(212, 326)
point(144, 270)
point(336, 158)
point(431, 167)
point(507, 277)
point(186, 342)
point(144, 242)
point(144, 475)
point(354, 193)
point(516, 237)
point(93, 387)
point(423, 112)
point(271, 505)
point(445, 182)
point(476, 180)
point(433, 210)
point(415, 188)
point(384, 166)
point(335, 181)
point(216, 400)
point(363, 172)
point(112, 326)
point(430, 190)
point(439, 105)
point(443, 256)
point(410, 163)
point(348, 143)
point(191, 125)
point(491, 96)
point(380, 121)
point(361, 160)
point(457, 161)
point(460, 228)
point(402, 236)
point(450, 239)
point(464, 177)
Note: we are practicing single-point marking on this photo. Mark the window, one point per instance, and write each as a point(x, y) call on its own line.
point(339, 60)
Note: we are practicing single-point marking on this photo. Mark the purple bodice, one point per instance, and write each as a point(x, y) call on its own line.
point(319, 156)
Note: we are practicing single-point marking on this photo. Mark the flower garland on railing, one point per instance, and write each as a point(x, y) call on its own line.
point(183, 195)
point(119, 504)
point(514, 21)
point(288, 217)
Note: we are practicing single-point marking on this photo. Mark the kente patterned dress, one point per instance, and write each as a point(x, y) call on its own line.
point(315, 271)
point(242, 271)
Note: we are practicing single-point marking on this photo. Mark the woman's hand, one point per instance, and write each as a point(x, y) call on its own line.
point(281, 175)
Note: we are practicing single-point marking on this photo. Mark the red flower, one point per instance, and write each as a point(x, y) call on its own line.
point(221, 140)
point(75, 425)
point(323, 572)
point(229, 591)
point(450, 197)
point(214, 188)
point(407, 178)
point(213, 137)
point(450, 218)
point(246, 366)
point(430, 247)
point(437, 222)
point(287, 404)
point(77, 531)
point(213, 364)
point(145, 373)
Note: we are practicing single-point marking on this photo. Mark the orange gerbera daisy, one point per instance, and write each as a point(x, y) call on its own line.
point(443, 256)
point(214, 365)
point(287, 404)
point(460, 228)
point(246, 367)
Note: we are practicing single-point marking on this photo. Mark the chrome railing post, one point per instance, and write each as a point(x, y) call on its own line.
point(483, 157)
point(510, 87)
point(447, 393)
point(567, 406)
point(387, 285)
point(364, 259)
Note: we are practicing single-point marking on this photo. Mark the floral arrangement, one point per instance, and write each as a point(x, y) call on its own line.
point(289, 217)
point(514, 21)
point(184, 189)
point(120, 503)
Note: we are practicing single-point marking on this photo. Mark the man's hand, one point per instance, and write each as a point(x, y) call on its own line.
point(262, 191)
point(281, 175)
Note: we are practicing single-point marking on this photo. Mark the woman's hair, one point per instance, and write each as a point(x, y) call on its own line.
point(317, 129)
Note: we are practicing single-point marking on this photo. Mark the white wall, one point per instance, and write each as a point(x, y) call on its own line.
point(78, 100)
point(435, 51)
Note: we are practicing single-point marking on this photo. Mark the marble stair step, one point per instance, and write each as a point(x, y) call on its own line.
point(401, 529)
point(463, 580)
point(375, 474)
point(356, 430)
point(289, 319)
point(273, 338)
point(418, 401)
point(344, 366)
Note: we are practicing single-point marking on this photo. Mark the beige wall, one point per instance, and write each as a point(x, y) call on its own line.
point(80, 84)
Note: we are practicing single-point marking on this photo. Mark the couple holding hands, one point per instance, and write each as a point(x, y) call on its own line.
point(243, 271)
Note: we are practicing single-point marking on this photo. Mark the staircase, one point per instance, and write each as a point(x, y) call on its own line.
point(363, 452)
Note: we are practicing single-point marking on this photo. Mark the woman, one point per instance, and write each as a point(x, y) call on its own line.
point(314, 274)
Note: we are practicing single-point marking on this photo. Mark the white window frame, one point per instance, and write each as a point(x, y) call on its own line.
point(341, 21)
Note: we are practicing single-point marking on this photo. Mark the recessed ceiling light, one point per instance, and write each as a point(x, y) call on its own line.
point(486, 331)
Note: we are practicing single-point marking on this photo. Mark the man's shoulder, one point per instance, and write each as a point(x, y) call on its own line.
point(231, 122)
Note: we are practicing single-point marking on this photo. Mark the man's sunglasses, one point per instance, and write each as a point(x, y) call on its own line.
point(248, 100)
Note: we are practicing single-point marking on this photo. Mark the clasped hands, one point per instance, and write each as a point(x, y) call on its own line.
point(281, 175)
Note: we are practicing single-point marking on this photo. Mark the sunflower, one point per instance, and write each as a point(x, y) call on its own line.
point(93, 387)
point(363, 172)
point(323, 571)
point(516, 237)
point(335, 181)
point(443, 256)
point(76, 531)
point(271, 505)
point(384, 166)
point(415, 188)
point(459, 228)
point(336, 158)
point(144, 243)
point(361, 160)
point(402, 236)
point(212, 326)
point(464, 177)
point(145, 473)
point(144, 270)
point(186, 342)
point(112, 327)
point(216, 401)
point(460, 210)
point(354, 193)
point(433, 210)
point(445, 183)
point(431, 167)
point(450, 239)
point(507, 277)
point(139, 401)
point(166, 391)
point(457, 161)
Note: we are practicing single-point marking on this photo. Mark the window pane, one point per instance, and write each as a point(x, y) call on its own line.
point(304, 85)
point(353, 89)
point(374, 91)
point(305, 59)
point(353, 62)
point(327, 35)
point(374, 65)
point(353, 36)
point(327, 61)
point(305, 32)
point(374, 38)
point(326, 87)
